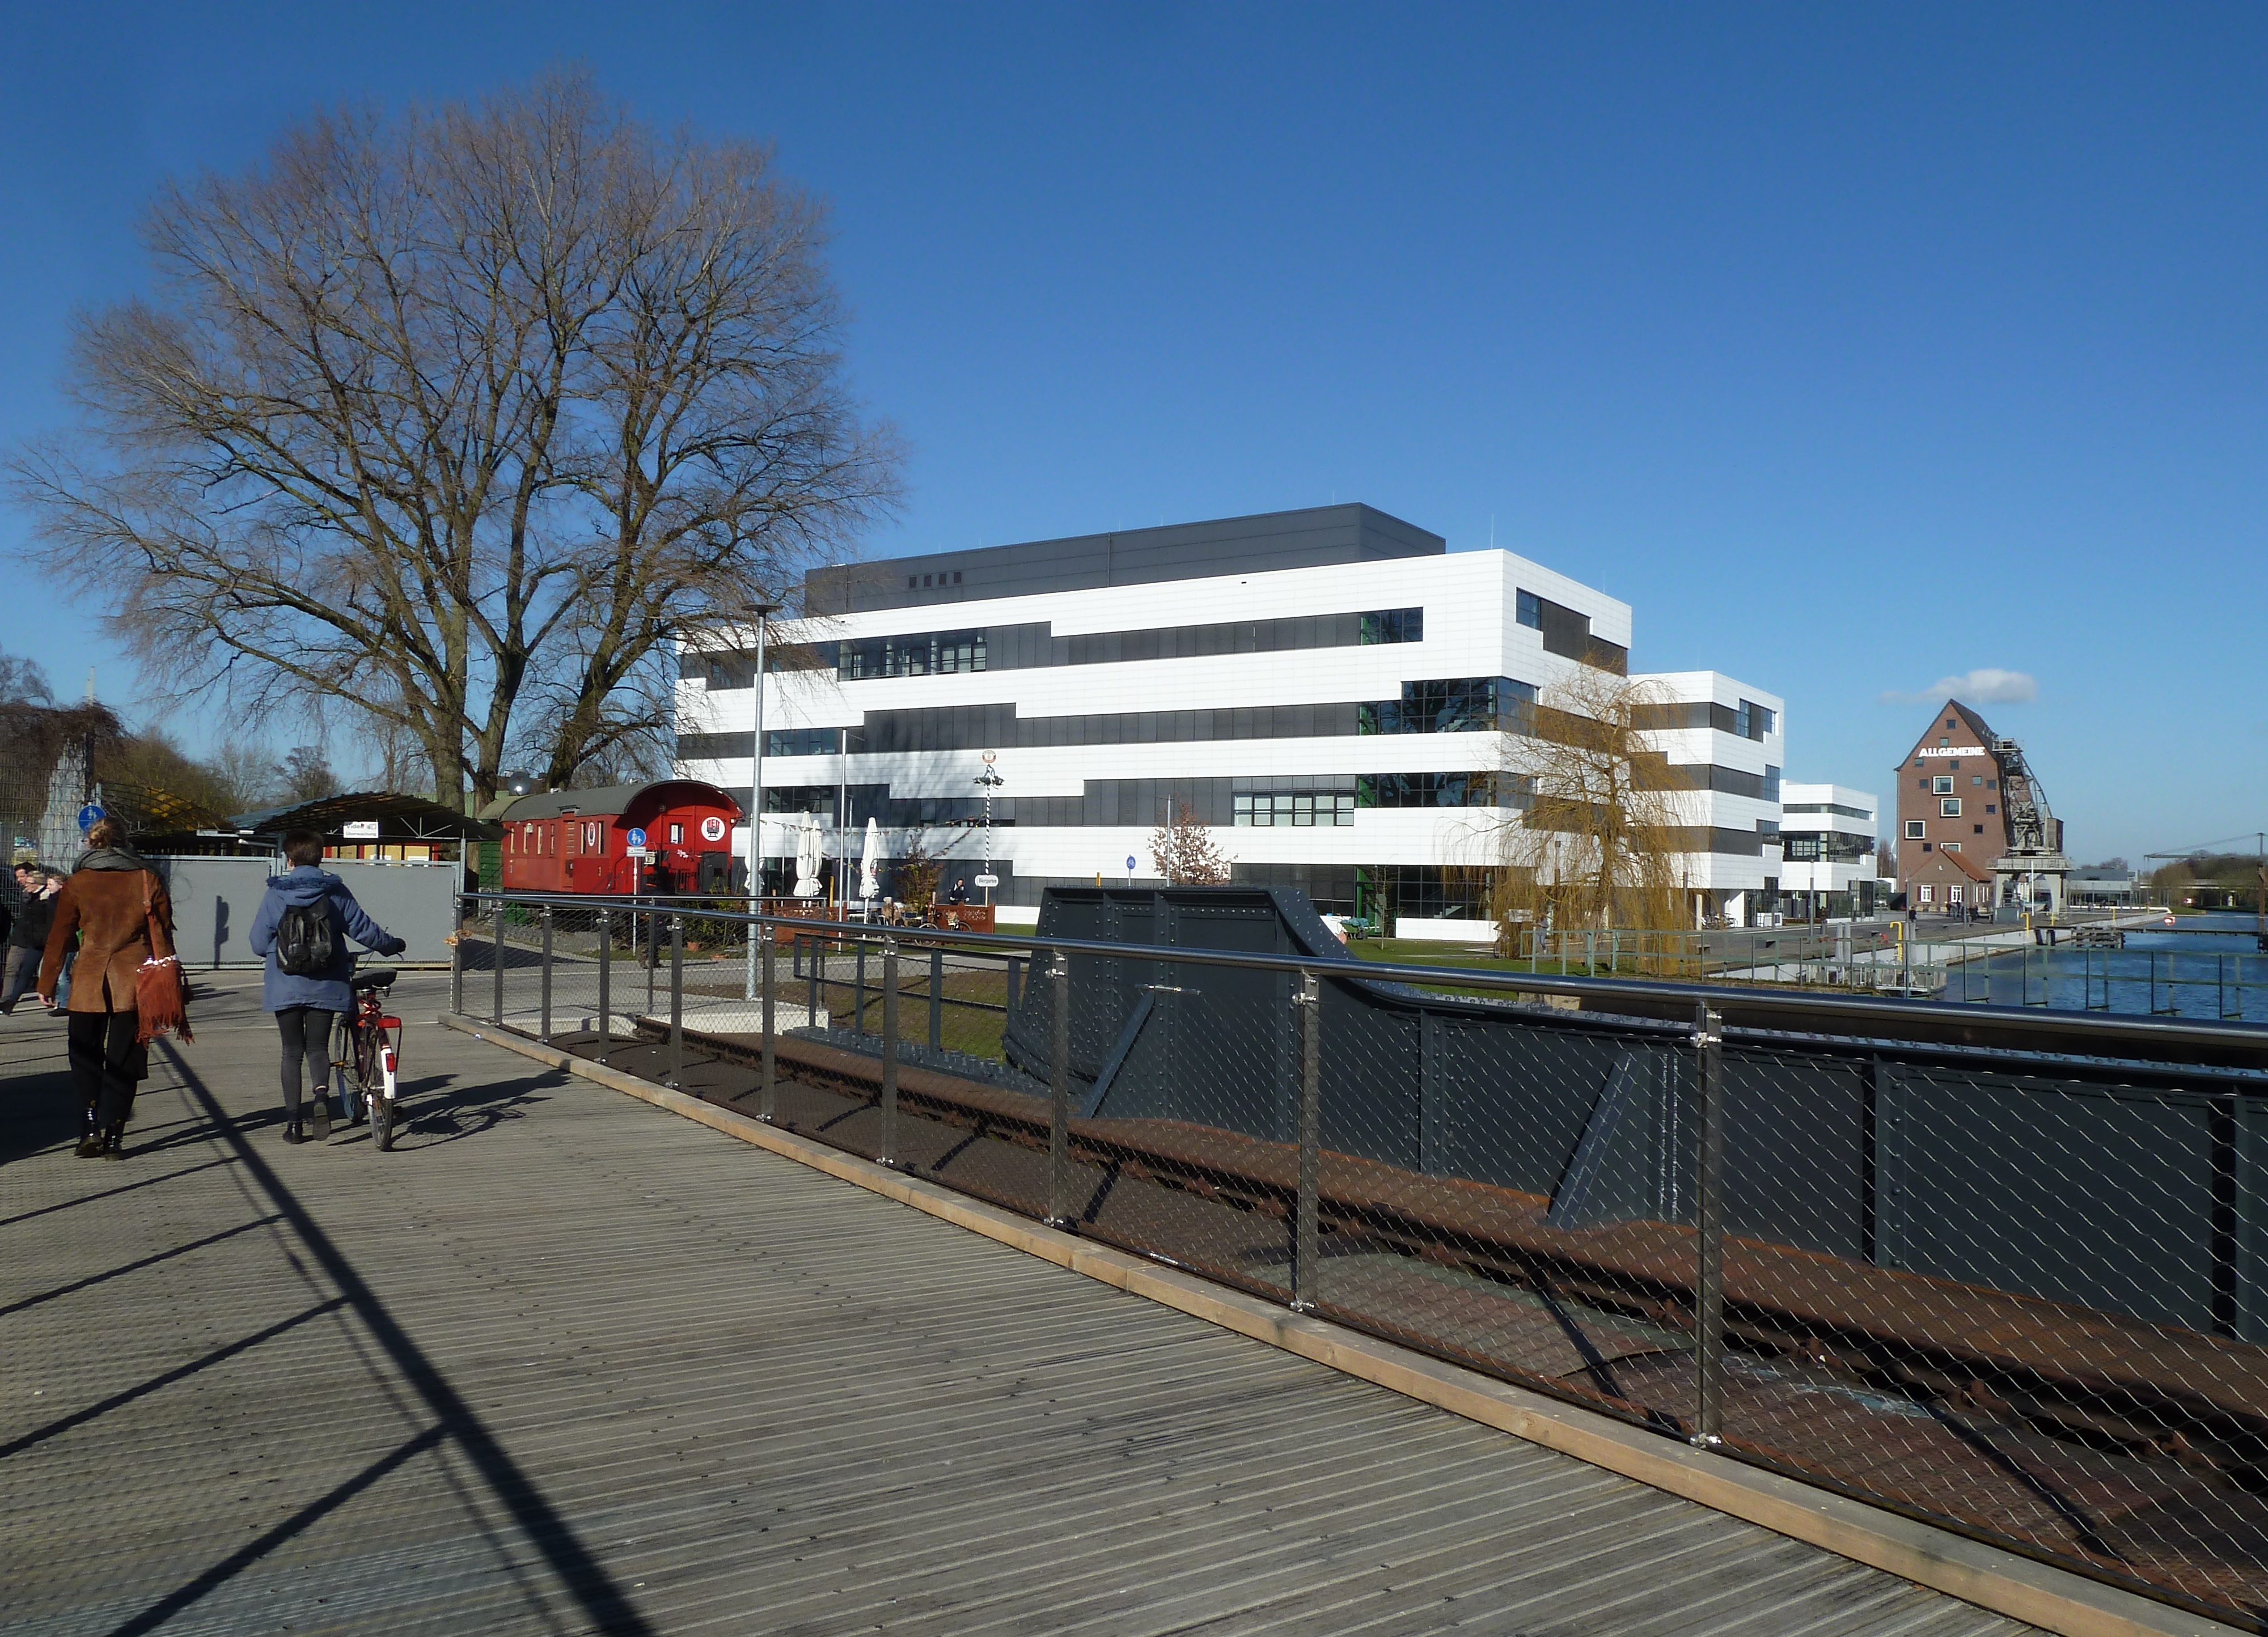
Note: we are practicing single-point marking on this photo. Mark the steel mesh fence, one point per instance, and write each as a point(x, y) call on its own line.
point(2022, 1294)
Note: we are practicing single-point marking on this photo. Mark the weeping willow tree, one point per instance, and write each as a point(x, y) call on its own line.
point(1599, 841)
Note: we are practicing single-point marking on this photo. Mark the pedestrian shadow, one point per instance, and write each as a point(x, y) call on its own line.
point(42, 1117)
point(602, 1604)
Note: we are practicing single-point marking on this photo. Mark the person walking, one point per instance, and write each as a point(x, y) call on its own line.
point(27, 937)
point(116, 906)
point(301, 930)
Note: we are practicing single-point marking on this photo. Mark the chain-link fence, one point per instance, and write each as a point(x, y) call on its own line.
point(2008, 1272)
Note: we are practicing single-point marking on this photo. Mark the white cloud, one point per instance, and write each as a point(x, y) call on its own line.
point(1987, 685)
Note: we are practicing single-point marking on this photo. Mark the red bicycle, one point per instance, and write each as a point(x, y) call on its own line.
point(373, 1051)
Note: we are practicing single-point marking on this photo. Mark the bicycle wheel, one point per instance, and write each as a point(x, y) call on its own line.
point(372, 1084)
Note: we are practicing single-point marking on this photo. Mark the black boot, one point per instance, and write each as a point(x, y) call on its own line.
point(321, 1123)
point(113, 1141)
point(292, 1134)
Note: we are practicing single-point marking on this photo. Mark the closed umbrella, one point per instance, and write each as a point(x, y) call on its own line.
point(870, 862)
point(807, 857)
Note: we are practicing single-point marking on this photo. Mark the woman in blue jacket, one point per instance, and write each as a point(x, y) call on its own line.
point(308, 1006)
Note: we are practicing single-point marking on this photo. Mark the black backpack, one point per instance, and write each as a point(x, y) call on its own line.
point(305, 947)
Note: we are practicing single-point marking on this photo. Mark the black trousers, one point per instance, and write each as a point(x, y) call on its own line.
point(106, 1063)
point(306, 1031)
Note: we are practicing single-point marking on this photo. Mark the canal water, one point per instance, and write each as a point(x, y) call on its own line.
point(2210, 967)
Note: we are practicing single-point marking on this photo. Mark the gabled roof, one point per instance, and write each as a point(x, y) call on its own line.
point(1966, 865)
point(1975, 723)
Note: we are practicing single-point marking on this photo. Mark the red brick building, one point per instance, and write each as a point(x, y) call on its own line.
point(1950, 802)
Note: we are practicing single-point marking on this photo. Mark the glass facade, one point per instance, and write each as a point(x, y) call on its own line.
point(1461, 705)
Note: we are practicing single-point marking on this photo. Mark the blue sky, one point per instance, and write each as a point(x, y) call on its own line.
point(1855, 350)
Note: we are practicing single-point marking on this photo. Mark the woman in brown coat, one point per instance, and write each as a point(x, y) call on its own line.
point(115, 906)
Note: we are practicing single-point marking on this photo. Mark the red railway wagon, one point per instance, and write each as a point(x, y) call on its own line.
point(580, 841)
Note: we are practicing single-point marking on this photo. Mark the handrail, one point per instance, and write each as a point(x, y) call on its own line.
point(2165, 1040)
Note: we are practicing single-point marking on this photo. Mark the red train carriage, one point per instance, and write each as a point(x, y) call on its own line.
point(580, 841)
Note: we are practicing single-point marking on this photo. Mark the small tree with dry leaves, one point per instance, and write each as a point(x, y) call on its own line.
point(1184, 851)
point(1601, 839)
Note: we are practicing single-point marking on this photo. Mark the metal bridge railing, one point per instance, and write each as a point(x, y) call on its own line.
point(2002, 1268)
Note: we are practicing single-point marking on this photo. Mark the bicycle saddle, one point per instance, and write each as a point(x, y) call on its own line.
point(381, 979)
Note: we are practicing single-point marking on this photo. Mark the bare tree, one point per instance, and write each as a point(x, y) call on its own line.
point(1600, 839)
point(1185, 853)
point(245, 775)
point(461, 420)
point(23, 682)
point(305, 774)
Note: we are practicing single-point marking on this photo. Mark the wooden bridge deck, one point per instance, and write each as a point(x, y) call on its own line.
point(565, 1362)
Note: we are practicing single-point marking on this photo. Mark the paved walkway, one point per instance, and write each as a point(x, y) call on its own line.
point(565, 1362)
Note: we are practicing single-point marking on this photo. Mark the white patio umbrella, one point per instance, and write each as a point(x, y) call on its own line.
point(807, 857)
point(870, 862)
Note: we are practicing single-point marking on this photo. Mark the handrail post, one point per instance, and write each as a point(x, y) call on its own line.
point(937, 997)
point(768, 1087)
point(676, 1000)
point(606, 982)
point(811, 981)
point(496, 959)
point(1059, 1092)
point(543, 1031)
point(858, 988)
point(1709, 1287)
point(457, 959)
point(1307, 1239)
point(889, 1154)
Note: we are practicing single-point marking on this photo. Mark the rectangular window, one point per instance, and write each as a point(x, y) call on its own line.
point(676, 834)
point(1991, 807)
point(1928, 893)
point(1953, 895)
point(1752, 721)
point(1393, 625)
point(1771, 783)
point(1299, 809)
point(1567, 632)
point(1977, 778)
point(1980, 829)
point(1951, 847)
point(800, 741)
point(1916, 829)
point(1941, 785)
point(1949, 808)
point(1434, 789)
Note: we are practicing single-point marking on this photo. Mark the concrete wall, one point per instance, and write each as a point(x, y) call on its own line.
point(215, 900)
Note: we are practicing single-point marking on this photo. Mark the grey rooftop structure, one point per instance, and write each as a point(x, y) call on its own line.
point(1307, 538)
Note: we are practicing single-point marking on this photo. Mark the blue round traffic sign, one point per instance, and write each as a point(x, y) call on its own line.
point(638, 837)
point(87, 815)
point(1129, 861)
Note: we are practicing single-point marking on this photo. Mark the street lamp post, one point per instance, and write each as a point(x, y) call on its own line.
point(763, 610)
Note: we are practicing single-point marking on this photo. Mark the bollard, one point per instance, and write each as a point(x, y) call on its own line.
point(676, 1000)
point(544, 1010)
point(1307, 1237)
point(456, 960)
point(606, 981)
point(768, 1086)
point(1059, 1094)
point(889, 1154)
point(936, 1000)
point(1709, 1287)
point(495, 961)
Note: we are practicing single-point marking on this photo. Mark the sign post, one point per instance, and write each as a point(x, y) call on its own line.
point(989, 780)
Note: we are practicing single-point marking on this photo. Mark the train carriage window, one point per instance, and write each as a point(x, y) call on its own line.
point(676, 834)
point(594, 836)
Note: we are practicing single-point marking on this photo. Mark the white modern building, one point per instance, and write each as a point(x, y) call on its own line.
point(1828, 834)
point(1327, 689)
